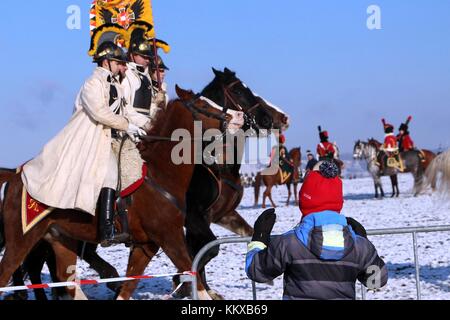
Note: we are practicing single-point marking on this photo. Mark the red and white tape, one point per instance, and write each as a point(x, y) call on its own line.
point(92, 281)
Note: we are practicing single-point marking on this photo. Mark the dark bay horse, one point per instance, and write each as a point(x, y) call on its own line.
point(154, 220)
point(275, 179)
point(412, 162)
point(207, 205)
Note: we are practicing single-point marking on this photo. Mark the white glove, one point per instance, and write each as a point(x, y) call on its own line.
point(134, 132)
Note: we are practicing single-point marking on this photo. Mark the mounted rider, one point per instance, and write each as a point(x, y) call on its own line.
point(389, 155)
point(405, 143)
point(325, 149)
point(139, 85)
point(286, 167)
point(160, 94)
point(77, 168)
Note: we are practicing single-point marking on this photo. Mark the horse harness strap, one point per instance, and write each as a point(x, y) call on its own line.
point(165, 194)
point(228, 96)
point(195, 110)
point(233, 185)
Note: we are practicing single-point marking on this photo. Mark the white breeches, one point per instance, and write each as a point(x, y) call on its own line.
point(112, 172)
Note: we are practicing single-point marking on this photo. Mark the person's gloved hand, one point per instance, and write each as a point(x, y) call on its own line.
point(134, 132)
point(357, 227)
point(263, 226)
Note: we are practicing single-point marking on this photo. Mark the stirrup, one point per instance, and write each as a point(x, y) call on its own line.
point(117, 239)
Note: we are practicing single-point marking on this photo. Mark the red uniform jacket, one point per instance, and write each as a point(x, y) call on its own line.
point(390, 142)
point(405, 142)
point(325, 148)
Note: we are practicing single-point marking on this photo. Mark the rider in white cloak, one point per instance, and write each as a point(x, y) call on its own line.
point(77, 167)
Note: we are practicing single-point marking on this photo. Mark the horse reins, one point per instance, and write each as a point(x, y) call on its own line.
point(195, 111)
point(229, 97)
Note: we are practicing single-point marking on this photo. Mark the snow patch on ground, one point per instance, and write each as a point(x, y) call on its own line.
point(226, 272)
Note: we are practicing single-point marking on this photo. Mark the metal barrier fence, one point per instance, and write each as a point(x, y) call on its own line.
point(375, 232)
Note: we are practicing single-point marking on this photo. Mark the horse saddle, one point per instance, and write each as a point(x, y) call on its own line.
point(422, 156)
point(393, 160)
point(286, 169)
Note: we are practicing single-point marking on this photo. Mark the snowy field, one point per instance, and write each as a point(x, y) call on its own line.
point(227, 276)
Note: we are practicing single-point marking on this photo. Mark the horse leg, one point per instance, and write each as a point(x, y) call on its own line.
point(295, 194)
point(395, 177)
point(269, 194)
point(34, 263)
point(17, 247)
point(177, 252)
point(57, 293)
point(289, 194)
point(65, 250)
point(393, 185)
point(418, 179)
point(88, 252)
point(265, 194)
point(198, 234)
point(234, 222)
point(376, 189)
point(17, 278)
point(138, 260)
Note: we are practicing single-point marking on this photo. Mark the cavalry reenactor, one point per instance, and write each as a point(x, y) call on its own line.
point(325, 149)
point(160, 96)
point(390, 141)
point(389, 155)
point(70, 173)
point(405, 143)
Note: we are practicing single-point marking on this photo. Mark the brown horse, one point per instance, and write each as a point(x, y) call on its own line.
point(271, 180)
point(156, 219)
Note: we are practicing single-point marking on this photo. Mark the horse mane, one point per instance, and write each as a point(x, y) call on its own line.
point(440, 167)
point(160, 121)
point(374, 143)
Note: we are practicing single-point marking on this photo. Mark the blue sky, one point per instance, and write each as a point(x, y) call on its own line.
point(316, 59)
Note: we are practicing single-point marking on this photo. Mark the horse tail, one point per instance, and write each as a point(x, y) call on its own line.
point(258, 179)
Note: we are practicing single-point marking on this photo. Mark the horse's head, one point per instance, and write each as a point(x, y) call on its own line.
point(296, 155)
point(199, 105)
point(229, 91)
point(358, 150)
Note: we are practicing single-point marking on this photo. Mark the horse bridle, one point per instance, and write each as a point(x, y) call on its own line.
point(229, 97)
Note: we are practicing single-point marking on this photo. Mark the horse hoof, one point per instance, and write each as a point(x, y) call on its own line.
point(263, 206)
point(215, 295)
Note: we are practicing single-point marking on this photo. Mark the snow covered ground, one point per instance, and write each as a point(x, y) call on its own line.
point(227, 276)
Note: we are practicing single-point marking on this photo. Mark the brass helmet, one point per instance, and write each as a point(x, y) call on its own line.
point(107, 42)
point(139, 42)
point(160, 64)
point(110, 51)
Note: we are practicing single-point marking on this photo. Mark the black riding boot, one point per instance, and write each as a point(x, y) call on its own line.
point(106, 219)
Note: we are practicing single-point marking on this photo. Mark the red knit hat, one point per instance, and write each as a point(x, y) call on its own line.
point(322, 190)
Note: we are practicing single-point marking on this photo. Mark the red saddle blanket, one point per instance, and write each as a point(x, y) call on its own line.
point(32, 211)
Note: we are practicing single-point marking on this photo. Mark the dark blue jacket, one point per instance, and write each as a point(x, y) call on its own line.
point(321, 258)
